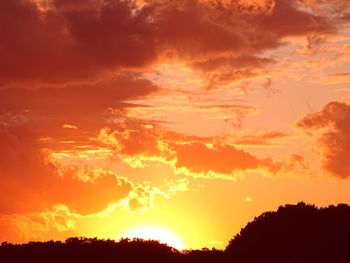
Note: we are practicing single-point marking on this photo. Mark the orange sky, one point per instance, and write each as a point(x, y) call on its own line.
point(192, 116)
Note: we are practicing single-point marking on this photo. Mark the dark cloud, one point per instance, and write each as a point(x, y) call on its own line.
point(77, 99)
point(78, 40)
point(70, 42)
point(88, 106)
point(335, 140)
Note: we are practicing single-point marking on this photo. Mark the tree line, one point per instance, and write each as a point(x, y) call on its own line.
point(294, 233)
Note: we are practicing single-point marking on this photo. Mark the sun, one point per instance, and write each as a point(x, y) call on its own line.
point(155, 233)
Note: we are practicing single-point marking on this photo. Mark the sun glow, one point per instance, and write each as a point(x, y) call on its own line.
point(156, 233)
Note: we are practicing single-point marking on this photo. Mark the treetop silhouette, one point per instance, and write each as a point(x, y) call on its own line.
point(294, 233)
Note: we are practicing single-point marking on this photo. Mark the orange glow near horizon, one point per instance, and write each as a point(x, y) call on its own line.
point(155, 233)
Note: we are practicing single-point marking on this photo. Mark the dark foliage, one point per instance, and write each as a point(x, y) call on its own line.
point(90, 250)
point(204, 255)
point(294, 233)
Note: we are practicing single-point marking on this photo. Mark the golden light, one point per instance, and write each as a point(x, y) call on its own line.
point(156, 233)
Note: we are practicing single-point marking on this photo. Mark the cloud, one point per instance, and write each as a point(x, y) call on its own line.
point(333, 121)
point(20, 228)
point(258, 138)
point(233, 114)
point(69, 126)
point(336, 78)
point(88, 191)
point(140, 199)
point(24, 173)
point(71, 40)
point(33, 124)
point(34, 180)
point(208, 157)
point(240, 62)
point(198, 158)
point(77, 99)
point(52, 113)
point(232, 70)
point(339, 75)
point(68, 41)
point(31, 182)
point(336, 8)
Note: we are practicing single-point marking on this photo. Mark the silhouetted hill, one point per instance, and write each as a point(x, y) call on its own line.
point(294, 233)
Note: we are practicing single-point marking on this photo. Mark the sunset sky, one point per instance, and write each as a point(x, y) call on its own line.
point(187, 117)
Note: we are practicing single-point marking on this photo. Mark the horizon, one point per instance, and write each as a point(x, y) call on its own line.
point(294, 209)
point(163, 118)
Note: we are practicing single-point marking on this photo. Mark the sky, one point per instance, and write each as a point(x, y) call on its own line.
point(186, 118)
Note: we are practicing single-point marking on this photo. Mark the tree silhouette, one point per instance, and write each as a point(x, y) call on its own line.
point(90, 250)
point(294, 233)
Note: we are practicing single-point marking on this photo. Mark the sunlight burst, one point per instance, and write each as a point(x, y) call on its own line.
point(155, 233)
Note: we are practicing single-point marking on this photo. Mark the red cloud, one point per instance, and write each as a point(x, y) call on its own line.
point(77, 99)
point(335, 141)
point(87, 106)
point(30, 182)
point(69, 42)
point(200, 157)
point(78, 40)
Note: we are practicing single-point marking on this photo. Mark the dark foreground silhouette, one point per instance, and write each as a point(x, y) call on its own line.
point(294, 233)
